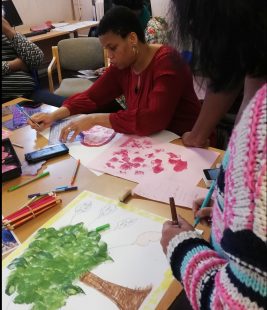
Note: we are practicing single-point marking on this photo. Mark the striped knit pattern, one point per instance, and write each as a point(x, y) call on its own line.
point(19, 83)
point(231, 272)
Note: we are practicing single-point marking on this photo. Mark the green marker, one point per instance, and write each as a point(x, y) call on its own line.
point(103, 227)
point(12, 188)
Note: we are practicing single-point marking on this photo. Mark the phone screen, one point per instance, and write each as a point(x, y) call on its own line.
point(46, 153)
point(211, 174)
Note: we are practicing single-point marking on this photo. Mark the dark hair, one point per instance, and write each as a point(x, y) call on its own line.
point(134, 5)
point(122, 21)
point(227, 37)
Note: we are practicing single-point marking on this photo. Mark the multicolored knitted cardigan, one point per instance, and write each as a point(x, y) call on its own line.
point(231, 271)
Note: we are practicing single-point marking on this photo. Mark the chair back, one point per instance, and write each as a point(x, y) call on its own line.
point(80, 53)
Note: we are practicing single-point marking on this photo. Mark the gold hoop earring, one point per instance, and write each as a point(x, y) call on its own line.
point(135, 50)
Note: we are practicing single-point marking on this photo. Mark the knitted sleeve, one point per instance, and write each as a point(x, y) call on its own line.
point(195, 264)
point(234, 275)
point(29, 52)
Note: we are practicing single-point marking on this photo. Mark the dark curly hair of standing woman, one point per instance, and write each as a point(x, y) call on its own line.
point(227, 37)
point(121, 21)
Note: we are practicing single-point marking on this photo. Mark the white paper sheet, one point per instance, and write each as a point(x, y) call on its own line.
point(76, 26)
point(57, 25)
point(143, 158)
point(87, 154)
point(133, 243)
point(160, 190)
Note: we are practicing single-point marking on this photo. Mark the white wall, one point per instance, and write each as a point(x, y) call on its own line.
point(159, 7)
point(83, 9)
point(34, 12)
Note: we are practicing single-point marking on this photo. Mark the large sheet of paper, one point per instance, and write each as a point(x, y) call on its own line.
point(133, 243)
point(138, 158)
point(75, 26)
point(87, 154)
point(162, 188)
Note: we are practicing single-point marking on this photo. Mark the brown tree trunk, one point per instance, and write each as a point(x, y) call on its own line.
point(125, 298)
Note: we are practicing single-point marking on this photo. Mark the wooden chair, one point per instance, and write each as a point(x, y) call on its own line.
point(71, 55)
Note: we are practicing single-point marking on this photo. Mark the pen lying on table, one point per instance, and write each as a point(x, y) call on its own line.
point(56, 190)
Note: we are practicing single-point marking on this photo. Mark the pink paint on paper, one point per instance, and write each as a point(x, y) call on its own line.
point(172, 161)
point(136, 143)
point(138, 159)
point(175, 160)
point(97, 136)
point(122, 152)
point(172, 155)
point(126, 166)
point(180, 166)
point(114, 159)
point(135, 158)
point(157, 169)
point(159, 150)
point(157, 165)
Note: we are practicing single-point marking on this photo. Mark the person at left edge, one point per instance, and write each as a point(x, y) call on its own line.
point(155, 80)
point(19, 57)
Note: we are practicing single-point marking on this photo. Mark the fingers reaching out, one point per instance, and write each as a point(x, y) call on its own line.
point(65, 132)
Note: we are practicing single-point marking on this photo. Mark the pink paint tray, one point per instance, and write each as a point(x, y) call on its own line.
point(11, 166)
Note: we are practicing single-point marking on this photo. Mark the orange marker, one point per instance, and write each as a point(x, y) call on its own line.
point(75, 172)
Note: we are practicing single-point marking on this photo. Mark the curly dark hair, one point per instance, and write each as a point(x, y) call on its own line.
point(134, 5)
point(122, 21)
point(227, 37)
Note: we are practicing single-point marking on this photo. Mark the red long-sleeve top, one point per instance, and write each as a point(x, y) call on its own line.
point(165, 98)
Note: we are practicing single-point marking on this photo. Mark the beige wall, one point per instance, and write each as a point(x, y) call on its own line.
point(34, 12)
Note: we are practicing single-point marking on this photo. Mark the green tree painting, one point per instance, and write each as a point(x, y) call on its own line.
point(43, 275)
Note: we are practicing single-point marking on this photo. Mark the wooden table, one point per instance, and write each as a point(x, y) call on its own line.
point(60, 175)
point(53, 34)
point(46, 40)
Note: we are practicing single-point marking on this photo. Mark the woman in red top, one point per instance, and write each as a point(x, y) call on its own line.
point(155, 81)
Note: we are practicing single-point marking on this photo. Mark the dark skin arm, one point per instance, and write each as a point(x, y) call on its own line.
point(215, 105)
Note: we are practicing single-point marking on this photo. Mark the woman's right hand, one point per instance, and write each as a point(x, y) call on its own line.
point(205, 213)
point(191, 141)
point(44, 120)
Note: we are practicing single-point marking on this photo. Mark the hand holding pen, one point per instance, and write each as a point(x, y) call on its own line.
point(44, 120)
point(205, 213)
point(205, 209)
point(172, 228)
point(27, 115)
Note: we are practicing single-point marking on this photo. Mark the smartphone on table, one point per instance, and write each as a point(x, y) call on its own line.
point(210, 175)
point(46, 153)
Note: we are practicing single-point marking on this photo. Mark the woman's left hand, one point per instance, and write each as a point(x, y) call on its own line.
point(76, 127)
point(169, 231)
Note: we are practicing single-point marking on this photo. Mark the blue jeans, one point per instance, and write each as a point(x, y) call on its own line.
point(44, 96)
